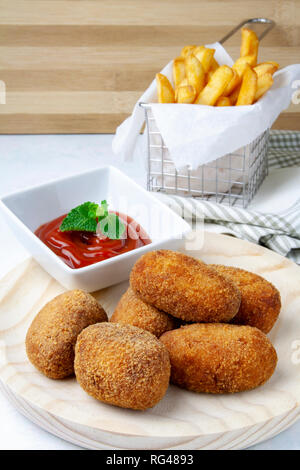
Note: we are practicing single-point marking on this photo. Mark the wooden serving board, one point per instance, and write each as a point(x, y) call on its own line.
point(183, 419)
point(79, 66)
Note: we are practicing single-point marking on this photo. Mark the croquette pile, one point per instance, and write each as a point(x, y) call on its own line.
point(202, 327)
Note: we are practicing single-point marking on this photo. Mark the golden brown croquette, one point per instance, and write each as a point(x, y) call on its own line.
point(122, 365)
point(51, 338)
point(131, 310)
point(184, 287)
point(219, 358)
point(260, 303)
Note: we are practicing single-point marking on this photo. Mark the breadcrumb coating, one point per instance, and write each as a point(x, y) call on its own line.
point(131, 310)
point(122, 365)
point(184, 287)
point(219, 358)
point(52, 335)
point(260, 303)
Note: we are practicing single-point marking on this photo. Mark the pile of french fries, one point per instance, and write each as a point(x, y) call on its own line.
point(199, 79)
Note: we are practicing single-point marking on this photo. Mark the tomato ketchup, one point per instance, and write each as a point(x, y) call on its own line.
point(78, 249)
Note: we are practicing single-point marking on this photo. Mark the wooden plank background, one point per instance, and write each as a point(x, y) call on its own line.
point(78, 66)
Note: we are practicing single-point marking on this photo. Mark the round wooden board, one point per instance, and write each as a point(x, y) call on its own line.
point(182, 420)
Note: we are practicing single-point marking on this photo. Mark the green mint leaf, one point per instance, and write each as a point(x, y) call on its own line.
point(86, 217)
point(102, 211)
point(112, 226)
point(92, 210)
point(81, 218)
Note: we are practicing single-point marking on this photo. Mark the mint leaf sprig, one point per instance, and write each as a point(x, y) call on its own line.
point(88, 215)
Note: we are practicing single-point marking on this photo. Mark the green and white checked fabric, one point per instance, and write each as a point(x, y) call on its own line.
point(280, 233)
point(284, 149)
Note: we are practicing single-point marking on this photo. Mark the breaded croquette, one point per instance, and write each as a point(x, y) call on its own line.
point(131, 310)
point(184, 287)
point(260, 303)
point(219, 358)
point(122, 365)
point(51, 338)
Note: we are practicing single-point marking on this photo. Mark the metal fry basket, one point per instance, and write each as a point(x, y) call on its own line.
point(232, 179)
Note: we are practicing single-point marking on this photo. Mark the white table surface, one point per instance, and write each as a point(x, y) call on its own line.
point(30, 160)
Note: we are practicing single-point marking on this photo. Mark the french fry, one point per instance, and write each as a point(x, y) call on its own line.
point(186, 94)
point(216, 86)
point(248, 88)
point(205, 56)
point(249, 44)
point(178, 71)
point(264, 82)
point(194, 73)
point(273, 63)
point(235, 94)
point(182, 84)
point(240, 64)
point(223, 101)
point(187, 50)
point(234, 82)
point(266, 67)
point(214, 65)
point(208, 76)
point(165, 90)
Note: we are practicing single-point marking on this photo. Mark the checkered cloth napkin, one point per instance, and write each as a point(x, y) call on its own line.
point(279, 232)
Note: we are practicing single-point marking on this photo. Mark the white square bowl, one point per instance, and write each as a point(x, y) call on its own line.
point(26, 210)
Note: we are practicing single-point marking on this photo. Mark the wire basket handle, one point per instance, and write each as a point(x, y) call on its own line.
point(265, 21)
